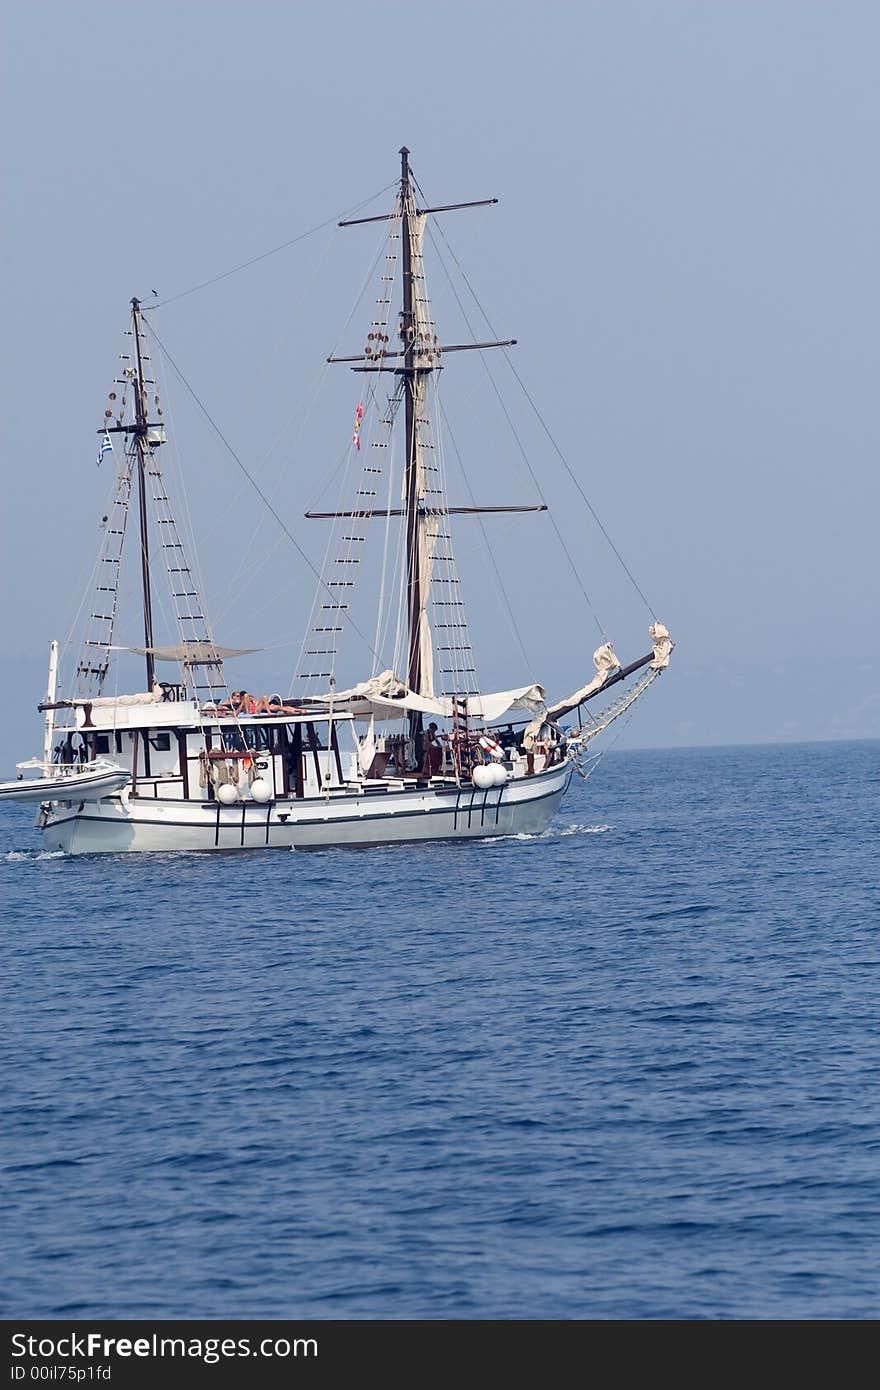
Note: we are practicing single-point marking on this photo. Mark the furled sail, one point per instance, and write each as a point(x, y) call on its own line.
point(608, 669)
point(425, 537)
point(663, 645)
point(386, 695)
point(606, 663)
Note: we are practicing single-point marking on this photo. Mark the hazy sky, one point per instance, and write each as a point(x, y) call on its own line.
point(685, 248)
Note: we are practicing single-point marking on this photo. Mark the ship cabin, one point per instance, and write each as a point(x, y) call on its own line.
point(177, 749)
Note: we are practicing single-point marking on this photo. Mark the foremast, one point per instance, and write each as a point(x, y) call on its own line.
point(140, 468)
point(138, 429)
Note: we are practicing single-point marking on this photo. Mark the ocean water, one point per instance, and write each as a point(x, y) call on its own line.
point(627, 1069)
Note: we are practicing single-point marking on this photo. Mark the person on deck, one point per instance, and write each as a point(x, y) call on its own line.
point(273, 704)
point(241, 702)
point(433, 752)
point(234, 704)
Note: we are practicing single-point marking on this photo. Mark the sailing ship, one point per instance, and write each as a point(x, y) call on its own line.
point(415, 751)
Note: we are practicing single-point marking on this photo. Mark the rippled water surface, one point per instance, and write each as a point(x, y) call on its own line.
point(629, 1068)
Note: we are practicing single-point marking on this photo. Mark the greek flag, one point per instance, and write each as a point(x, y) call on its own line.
point(106, 448)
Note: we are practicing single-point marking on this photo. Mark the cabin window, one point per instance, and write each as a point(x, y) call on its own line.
point(118, 739)
point(320, 737)
point(259, 738)
point(161, 742)
point(102, 743)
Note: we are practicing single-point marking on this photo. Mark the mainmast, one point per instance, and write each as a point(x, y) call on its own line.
point(139, 430)
point(424, 509)
point(411, 473)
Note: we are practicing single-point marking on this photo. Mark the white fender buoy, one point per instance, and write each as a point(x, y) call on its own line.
point(483, 776)
point(227, 794)
point(260, 790)
point(499, 774)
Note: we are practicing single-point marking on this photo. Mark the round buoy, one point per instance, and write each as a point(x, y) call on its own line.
point(491, 745)
point(499, 774)
point(483, 776)
point(260, 790)
point(227, 794)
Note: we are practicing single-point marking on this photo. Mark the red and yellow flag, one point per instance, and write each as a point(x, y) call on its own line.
point(358, 416)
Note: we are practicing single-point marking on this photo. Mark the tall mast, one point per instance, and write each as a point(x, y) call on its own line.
point(411, 474)
point(419, 354)
point(411, 479)
point(140, 437)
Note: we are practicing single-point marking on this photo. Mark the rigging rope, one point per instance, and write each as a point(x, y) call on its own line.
point(188, 529)
point(521, 447)
point(302, 414)
point(573, 476)
point(345, 457)
point(545, 427)
point(264, 255)
point(319, 628)
point(240, 582)
point(115, 500)
point(391, 407)
point(486, 544)
point(253, 482)
point(449, 614)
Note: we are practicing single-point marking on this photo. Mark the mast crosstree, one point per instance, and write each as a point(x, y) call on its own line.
point(429, 571)
point(143, 437)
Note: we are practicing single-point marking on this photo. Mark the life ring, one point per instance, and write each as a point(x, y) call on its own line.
point(491, 745)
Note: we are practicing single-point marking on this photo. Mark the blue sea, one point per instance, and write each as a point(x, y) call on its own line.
point(626, 1069)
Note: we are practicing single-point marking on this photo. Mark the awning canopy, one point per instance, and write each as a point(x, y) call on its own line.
point(386, 696)
point(192, 653)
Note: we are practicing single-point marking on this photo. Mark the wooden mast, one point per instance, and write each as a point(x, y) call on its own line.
point(411, 474)
point(413, 509)
point(140, 437)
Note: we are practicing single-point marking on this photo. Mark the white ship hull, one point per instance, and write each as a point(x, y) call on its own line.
point(523, 806)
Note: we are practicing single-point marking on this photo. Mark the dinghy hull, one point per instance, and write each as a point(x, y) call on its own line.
point(75, 785)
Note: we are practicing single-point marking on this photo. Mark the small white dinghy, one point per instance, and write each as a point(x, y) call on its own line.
point(78, 781)
point(66, 781)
